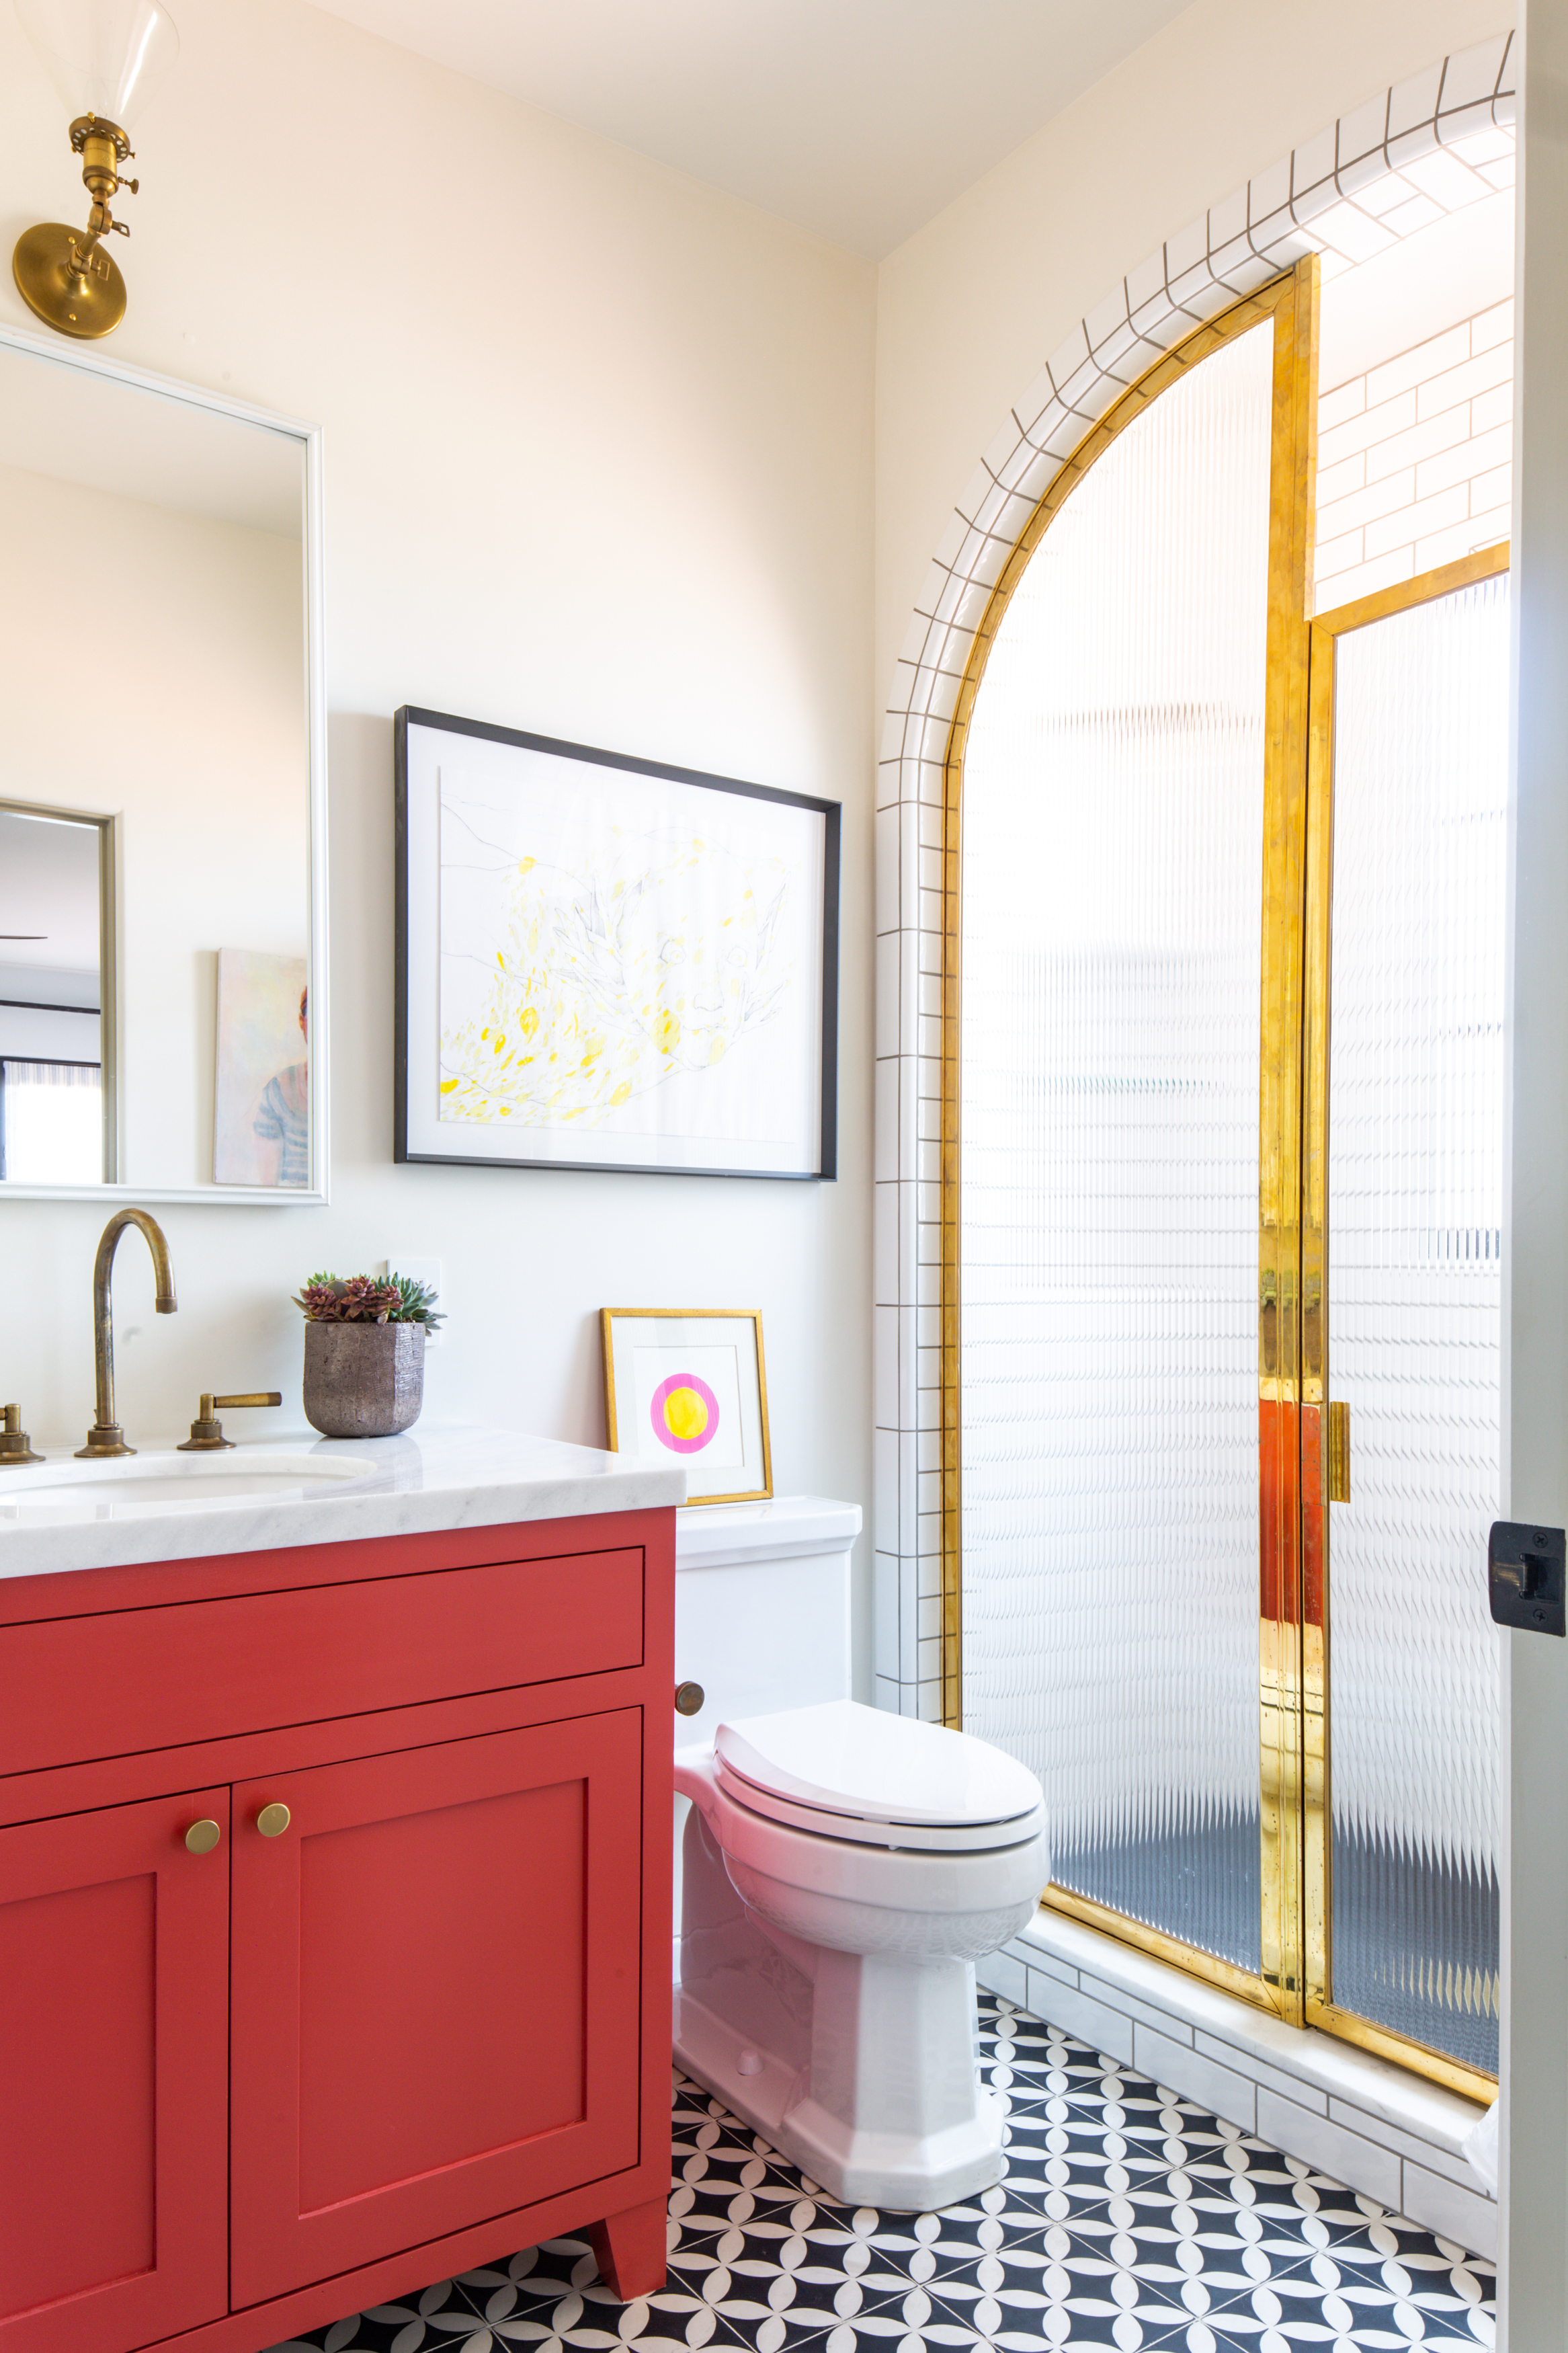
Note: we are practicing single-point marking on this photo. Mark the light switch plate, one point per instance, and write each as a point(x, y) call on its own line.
point(422, 1270)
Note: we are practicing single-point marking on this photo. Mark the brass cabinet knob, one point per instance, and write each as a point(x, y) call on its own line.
point(273, 1821)
point(203, 1836)
point(688, 1699)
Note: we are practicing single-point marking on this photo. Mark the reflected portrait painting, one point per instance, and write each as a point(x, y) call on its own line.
point(261, 1122)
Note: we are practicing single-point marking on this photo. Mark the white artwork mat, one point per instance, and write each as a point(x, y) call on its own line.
point(708, 1386)
point(687, 1390)
point(609, 968)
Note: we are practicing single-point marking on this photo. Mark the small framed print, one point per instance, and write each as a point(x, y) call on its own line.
point(688, 1385)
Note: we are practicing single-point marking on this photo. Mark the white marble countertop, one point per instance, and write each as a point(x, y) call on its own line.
point(65, 1516)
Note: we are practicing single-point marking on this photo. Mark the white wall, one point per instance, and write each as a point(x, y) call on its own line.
point(598, 450)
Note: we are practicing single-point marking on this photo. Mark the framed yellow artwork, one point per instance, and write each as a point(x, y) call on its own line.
point(689, 1385)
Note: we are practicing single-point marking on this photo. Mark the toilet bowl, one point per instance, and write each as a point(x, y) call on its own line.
point(843, 1870)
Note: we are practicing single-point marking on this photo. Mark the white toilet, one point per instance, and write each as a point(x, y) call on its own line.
point(843, 1870)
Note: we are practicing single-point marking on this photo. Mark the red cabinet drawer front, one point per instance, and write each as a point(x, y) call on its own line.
point(113, 2082)
point(436, 1992)
point(83, 1687)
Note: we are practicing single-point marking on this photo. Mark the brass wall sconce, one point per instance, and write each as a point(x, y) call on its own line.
point(105, 57)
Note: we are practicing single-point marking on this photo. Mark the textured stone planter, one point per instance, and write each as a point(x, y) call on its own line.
point(363, 1380)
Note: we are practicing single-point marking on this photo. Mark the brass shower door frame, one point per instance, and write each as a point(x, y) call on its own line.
point(1290, 302)
point(1321, 2009)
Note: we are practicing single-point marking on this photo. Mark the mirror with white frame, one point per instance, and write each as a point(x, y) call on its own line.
point(162, 913)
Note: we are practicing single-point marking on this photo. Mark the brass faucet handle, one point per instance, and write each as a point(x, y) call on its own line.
point(15, 1446)
point(207, 1431)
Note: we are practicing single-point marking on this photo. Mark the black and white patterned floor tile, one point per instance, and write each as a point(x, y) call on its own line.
point(1126, 2218)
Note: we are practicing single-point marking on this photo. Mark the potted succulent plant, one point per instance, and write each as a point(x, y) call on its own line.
point(365, 1353)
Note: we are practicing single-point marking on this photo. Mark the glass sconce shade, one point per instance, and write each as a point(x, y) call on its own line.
point(105, 57)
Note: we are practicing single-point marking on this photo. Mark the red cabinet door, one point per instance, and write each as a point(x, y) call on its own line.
point(113, 2077)
point(435, 1993)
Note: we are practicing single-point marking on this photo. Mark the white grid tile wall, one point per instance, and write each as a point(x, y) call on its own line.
point(1415, 459)
point(1428, 146)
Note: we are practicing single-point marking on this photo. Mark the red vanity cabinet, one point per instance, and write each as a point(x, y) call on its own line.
point(410, 2012)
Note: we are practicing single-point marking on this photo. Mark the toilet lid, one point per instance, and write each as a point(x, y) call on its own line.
point(862, 1762)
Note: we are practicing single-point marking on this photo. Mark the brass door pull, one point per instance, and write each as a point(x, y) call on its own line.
point(1337, 1488)
point(273, 1821)
point(203, 1836)
point(688, 1699)
point(207, 1431)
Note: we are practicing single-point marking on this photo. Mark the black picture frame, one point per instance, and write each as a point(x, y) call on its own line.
point(624, 763)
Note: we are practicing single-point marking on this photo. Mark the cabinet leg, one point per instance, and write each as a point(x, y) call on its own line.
point(629, 2249)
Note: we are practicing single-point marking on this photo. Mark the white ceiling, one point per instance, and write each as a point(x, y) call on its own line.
point(49, 887)
point(857, 119)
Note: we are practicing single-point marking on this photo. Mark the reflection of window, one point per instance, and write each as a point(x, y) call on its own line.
point(51, 1123)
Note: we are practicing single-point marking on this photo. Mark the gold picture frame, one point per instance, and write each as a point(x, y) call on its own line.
point(694, 1390)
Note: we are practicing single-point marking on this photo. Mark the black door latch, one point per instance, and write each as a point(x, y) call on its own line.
point(1525, 1576)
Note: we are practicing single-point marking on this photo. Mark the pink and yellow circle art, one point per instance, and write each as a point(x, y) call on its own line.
point(684, 1412)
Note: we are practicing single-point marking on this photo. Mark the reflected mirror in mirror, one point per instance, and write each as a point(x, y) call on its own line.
point(161, 796)
point(52, 910)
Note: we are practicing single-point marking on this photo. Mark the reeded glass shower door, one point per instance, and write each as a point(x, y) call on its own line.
point(1125, 795)
point(1406, 1124)
point(1221, 1167)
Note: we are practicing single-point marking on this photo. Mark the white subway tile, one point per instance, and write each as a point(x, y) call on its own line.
point(1480, 453)
point(1453, 2213)
point(1277, 2079)
point(885, 1489)
point(1048, 1965)
point(1093, 2023)
point(1418, 520)
point(1436, 2157)
point(1364, 579)
point(1337, 481)
point(885, 1615)
point(885, 1366)
point(1370, 505)
point(1483, 373)
point(1489, 529)
point(1443, 432)
point(1333, 557)
point(999, 1973)
point(885, 1244)
point(1494, 407)
point(1490, 328)
point(1368, 425)
point(1329, 2148)
point(1196, 2076)
point(1445, 546)
point(1163, 2019)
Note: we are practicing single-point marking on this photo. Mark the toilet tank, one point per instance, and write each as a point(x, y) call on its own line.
point(762, 1613)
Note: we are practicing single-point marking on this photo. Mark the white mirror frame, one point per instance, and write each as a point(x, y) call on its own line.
point(95, 363)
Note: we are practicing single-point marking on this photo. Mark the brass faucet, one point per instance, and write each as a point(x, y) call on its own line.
point(105, 1436)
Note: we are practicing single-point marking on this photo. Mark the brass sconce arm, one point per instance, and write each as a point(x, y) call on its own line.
point(63, 274)
point(102, 147)
point(106, 58)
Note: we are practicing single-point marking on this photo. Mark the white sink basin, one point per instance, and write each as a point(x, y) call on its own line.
point(124, 1487)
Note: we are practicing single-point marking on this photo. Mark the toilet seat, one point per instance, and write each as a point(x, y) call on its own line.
point(842, 1772)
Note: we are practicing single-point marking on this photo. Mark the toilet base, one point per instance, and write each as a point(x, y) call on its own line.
point(903, 2173)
